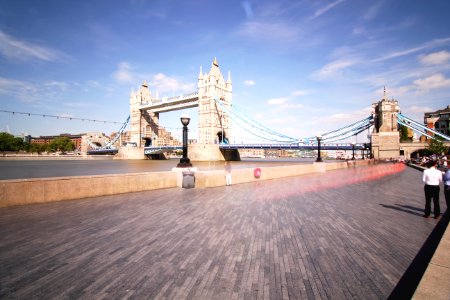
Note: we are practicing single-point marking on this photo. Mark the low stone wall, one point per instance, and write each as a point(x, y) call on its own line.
point(217, 178)
point(41, 190)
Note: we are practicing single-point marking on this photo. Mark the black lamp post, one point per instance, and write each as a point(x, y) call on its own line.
point(185, 162)
point(353, 151)
point(319, 138)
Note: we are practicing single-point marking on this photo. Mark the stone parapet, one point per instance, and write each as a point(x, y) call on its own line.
point(40, 190)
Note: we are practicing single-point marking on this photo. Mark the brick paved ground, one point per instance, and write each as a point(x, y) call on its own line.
point(343, 234)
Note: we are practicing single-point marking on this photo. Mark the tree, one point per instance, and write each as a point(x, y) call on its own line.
point(436, 146)
point(10, 143)
point(404, 135)
point(62, 144)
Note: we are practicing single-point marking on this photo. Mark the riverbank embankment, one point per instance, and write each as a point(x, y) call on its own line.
point(41, 190)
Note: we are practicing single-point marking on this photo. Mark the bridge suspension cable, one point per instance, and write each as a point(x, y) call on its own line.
point(252, 126)
point(420, 128)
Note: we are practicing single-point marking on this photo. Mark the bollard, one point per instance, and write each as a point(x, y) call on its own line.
point(188, 180)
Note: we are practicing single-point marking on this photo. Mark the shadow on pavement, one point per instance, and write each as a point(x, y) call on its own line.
point(410, 280)
point(402, 209)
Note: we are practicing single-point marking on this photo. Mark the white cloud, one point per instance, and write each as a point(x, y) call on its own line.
point(124, 74)
point(166, 84)
point(436, 58)
point(13, 48)
point(427, 45)
point(277, 101)
point(249, 82)
point(158, 82)
point(300, 93)
point(419, 109)
point(323, 10)
point(333, 68)
point(432, 82)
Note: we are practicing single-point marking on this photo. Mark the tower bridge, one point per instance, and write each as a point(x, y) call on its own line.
point(215, 113)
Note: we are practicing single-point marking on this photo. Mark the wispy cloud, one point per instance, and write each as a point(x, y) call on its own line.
point(36, 92)
point(325, 9)
point(247, 9)
point(16, 49)
point(436, 58)
point(249, 82)
point(432, 82)
point(373, 11)
point(160, 82)
point(270, 31)
point(333, 68)
point(277, 101)
point(428, 45)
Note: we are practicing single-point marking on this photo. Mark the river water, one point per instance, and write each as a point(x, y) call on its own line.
point(21, 168)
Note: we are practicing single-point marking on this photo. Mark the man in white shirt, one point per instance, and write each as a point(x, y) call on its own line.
point(432, 177)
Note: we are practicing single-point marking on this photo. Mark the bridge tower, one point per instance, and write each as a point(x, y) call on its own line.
point(213, 124)
point(143, 124)
point(385, 135)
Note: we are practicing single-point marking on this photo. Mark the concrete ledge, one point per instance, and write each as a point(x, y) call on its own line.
point(40, 190)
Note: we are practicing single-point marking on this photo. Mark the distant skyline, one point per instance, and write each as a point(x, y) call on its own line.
point(300, 67)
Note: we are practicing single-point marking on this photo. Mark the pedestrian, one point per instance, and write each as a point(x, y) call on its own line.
point(228, 172)
point(446, 179)
point(432, 178)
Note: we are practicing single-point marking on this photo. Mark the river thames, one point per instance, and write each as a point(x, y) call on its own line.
point(27, 167)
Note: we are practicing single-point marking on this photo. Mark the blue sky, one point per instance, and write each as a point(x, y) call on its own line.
point(299, 67)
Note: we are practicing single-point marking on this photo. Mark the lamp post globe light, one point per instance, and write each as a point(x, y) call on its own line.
point(353, 150)
point(319, 158)
point(185, 162)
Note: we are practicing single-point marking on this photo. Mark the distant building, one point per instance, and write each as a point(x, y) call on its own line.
point(438, 120)
point(47, 139)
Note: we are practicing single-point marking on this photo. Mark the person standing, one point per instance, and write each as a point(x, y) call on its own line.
point(432, 178)
point(228, 172)
point(446, 179)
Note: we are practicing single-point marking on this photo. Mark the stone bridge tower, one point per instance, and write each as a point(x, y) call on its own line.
point(385, 135)
point(213, 123)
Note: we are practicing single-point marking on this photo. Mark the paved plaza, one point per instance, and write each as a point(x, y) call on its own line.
point(344, 234)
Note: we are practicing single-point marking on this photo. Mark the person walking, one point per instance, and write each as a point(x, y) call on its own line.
point(432, 178)
point(446, 179)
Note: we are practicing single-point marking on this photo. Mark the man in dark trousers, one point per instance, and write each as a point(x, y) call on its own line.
point(432, 177)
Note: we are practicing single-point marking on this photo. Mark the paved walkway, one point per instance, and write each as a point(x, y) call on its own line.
point(343, 234)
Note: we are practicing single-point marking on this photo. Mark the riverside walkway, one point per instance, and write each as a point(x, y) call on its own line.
point(349, 233)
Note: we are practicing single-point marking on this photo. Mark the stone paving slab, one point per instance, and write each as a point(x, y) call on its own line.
point(338, 235)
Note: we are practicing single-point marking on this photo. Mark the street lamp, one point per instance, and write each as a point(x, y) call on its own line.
point(185, 162)
point(319, 138)
point(353, 151)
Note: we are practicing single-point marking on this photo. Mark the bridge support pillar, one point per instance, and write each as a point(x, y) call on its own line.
point(385, 145)
point(205, 152)
point(130, 153)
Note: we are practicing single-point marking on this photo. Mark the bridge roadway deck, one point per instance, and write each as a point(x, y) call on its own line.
point(318, 236)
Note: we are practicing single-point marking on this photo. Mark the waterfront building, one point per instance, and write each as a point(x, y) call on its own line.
point(438, 120)
point(47, 139)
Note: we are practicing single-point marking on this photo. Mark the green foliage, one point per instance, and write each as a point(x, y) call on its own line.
point(10, 143)
point(436, 146)
point(404, 133)
point(62, 144)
